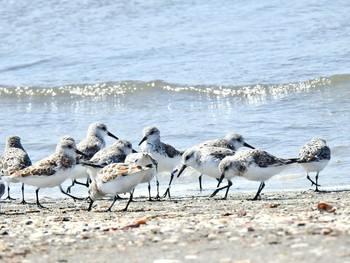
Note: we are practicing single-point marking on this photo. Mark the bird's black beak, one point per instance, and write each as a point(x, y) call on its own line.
point(134, 151)
point(143, 139)
point(112, 135)
point(247, 145)
point(183, 167)
point(81, 153)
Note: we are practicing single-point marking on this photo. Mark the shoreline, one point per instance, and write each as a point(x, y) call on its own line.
point(284, 226)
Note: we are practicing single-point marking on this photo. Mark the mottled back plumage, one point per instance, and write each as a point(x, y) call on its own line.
point(14, 157)
point(115, 153)
point(232, 141)
point(314, 151)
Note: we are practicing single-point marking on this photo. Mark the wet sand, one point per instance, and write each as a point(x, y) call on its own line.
point(284, 226)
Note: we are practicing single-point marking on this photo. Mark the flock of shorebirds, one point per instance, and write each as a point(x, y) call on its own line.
point(118, 168)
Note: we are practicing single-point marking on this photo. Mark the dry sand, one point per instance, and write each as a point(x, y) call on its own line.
point(282, 227)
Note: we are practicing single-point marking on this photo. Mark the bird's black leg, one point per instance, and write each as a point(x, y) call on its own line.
point(69, 187)
point(157, 182)
point(221, 188)
point(200, 182)
point(37, 199)
point(167, 192)
point(217, 179)
point(149, 192)
point(317, 185)
point(74, 197)
point(110, 208)
point(87, 183)
point(8, 193)
point(23, 202)
point(312, 182)
point(127, 205)
point(91, 203)
point(228, 188)
point(257, 196)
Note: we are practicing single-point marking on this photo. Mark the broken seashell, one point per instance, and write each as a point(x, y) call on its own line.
point(324, 207)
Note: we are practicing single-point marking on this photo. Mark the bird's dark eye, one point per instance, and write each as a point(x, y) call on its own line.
point(70, 146)
point(104, 128)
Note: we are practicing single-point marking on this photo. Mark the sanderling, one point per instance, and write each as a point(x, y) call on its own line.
point(166, 155)
point(114, 179)
point(115, 153)
point(232, 141)
point(314, 157)
point(144, 159)
point(254, 165)
point(13, 159)
point(51, 171)
point(204, 159)
point(94, 142)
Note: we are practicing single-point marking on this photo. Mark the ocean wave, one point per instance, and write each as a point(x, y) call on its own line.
point(124, 88)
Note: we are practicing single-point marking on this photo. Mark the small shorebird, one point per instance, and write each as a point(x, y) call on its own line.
point(13, 159)
point(51, 171)
point(166, 155)
point(232, 141)
point(144, 159)
point(314, 157)
point(115, 153)
point(254, 165)
point(204, 159)
point(114, 179)
point(94, 142)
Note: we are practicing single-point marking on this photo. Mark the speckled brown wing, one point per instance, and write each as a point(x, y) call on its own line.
point(88, 149)
point(171, 151)
point(311, 153)
point(45, 167)
point(113, 171)
point(266, 159)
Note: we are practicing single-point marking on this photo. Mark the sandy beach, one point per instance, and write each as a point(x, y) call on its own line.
point(284, 226)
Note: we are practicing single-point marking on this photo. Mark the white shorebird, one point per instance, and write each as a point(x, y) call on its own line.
point(254, 165)
point(115, 153)
point(114, 179)
point(314, 157)
point(13, 159)
point(94, 142)
point(144, 159)
point(204, 159)
point(232, 141)
point(51, 171)
point(166, 155)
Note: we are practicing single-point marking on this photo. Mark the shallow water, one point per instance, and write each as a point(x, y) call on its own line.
point(278, 73)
